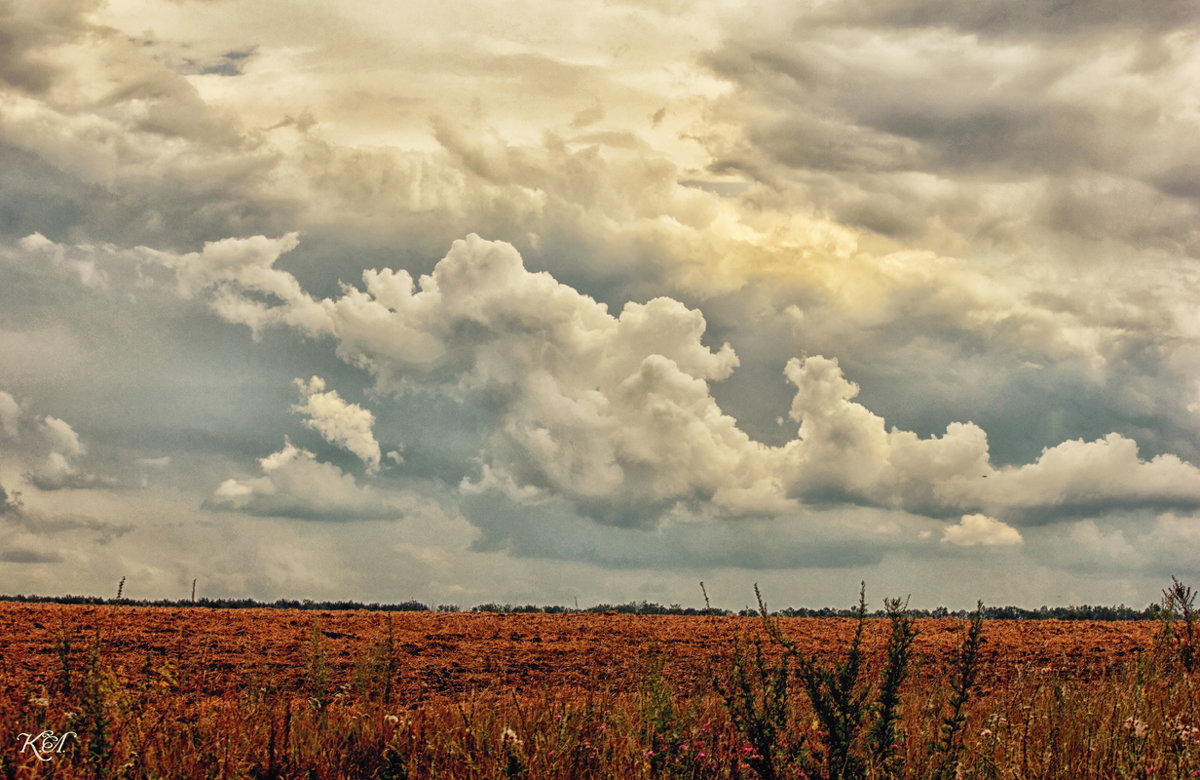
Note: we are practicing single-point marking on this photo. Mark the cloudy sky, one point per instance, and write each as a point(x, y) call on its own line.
point(545, 301)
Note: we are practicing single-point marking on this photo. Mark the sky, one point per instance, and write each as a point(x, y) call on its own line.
point(584, 302)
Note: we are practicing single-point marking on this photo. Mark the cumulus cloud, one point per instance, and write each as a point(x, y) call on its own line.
point(47, 451)
point(616, 415)
point(295, 484)
point(85, 268)
point(60, 467)
point(845, 452)
point(51, 453)
point(613, 412)
point(243, 281)
point(1078, 476)
point(62, 437)
point(344, 424)
point(974, 530)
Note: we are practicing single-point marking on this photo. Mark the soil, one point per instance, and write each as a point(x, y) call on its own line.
point(455, 654)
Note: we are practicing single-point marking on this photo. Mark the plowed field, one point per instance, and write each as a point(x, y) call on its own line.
point(452, 654)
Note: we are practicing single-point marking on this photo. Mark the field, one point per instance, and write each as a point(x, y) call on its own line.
point(192, 692)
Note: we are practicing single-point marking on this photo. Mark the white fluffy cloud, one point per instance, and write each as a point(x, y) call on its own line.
point(47, 451)
point(344, 424)
point(615, 413)
point(844, 450)
point(974, 530)
point(233, 267)
point(295, 484)
point(59, 468)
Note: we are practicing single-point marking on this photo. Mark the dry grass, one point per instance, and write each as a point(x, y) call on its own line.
point(136, 717)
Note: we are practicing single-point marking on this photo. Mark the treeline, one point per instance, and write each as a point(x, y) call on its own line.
point(1085, 612)
point(406, 606)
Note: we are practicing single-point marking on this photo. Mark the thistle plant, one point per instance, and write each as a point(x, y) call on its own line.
point(837, 694)
point(1179, 607)
point(756, 696)
point(966, 668)
point(899, 651)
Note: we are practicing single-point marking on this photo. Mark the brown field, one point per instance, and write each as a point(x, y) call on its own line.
point(271, 693)
point(453, 654)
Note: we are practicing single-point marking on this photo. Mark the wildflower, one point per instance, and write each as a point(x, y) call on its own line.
point(1138, 726)
point(391, 719)
point(509, 737)
point(1187, 733)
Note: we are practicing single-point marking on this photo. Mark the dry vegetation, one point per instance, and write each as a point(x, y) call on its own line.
point(180, 693)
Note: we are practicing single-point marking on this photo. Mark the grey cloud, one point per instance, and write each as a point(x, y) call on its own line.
point(24, 27)
point(22, 555)
point(1036, 19)
point(63, 529)
point(874, 103)
point(1116, 544)
point(9, 503)
point(554, 530)
point(96, 148)
point(1047, 169)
